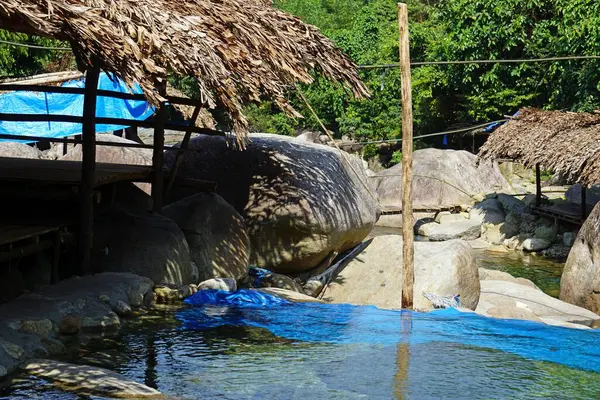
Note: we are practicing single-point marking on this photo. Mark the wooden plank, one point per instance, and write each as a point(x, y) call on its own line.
point(88, 167)
point(407, 148)
point(68, 172)
point(99, 120)
point(15, 233)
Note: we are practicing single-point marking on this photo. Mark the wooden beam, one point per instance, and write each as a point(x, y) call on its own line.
point(583, 202)
point(103, 120)
point(181, 150)
point(407, 149)
point(158, 158)
point(538, 186)
point(88, 173)
point(16, 87)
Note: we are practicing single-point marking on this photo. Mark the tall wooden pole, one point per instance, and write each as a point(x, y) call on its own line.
point(407, 157)
point(88, 173)
point(158, 156)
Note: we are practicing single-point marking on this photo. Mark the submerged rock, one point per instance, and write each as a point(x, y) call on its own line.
point(216, 235)
point(374, 277)
point(300, 201)
point(89, 380)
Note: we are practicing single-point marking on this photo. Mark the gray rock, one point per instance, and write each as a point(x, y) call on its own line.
point(448, 218)
point(313, 287)
point(511, 204)
point(227, 284)
point(374, 277)
point(278, 281)
point(14, 351)
point(308, 136)
point(568, 239)
point(300, 201)
point(3, 371)
point(53, 347)
point(489, 211)
point(89, 380)
point(592, 194)
point(497, 234)
point(216, 235)
point(545, 232)
point(509, 294)
point(466, 229)
point(535, 244)
point(41, 327)
point(19, 150)
point(123, 309)
point(580, 281)
point(69, 325)
point(148, 245)
point(442, 178)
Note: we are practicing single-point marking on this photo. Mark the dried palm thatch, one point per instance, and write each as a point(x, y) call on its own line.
point(238, 51)
point(564, 142)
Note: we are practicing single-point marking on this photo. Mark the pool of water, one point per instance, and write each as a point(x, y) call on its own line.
point(543, 272)
point(315, 351)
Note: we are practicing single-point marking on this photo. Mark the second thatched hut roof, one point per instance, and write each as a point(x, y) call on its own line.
point(237, 50)
point(564, 142)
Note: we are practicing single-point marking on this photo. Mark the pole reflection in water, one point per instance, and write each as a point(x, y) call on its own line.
point(402, 356)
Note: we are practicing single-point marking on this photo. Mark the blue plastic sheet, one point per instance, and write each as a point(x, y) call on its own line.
point(346, 324)
point(70, 104)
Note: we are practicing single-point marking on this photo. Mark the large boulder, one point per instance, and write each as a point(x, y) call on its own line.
point(441, 178)
point(580, 282)
point(300, 201)
point(375, 276)
point(216, 235)
point(18, 150)
point(147, 244)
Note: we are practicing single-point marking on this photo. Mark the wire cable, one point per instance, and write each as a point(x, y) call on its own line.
point(34, 46)
point(509, 61)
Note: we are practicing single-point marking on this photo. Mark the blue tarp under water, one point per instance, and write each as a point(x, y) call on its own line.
point(347, 324)
point(70, 104)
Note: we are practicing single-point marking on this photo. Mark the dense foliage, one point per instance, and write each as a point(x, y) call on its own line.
point(443, 95)
point(450, 30)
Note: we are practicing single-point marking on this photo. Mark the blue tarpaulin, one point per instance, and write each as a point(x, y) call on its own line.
point(347, 324)
point(70, 104)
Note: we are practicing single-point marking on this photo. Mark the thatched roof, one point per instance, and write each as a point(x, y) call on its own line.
point(237, 50)
point(564, 142)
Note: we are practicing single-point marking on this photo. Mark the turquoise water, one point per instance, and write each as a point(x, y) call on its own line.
point(342, 352)
point(541, 271)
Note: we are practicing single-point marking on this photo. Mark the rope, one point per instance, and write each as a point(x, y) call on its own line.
point(470, 128)
point(342, 153)
point(509, 61)
point(34, 46)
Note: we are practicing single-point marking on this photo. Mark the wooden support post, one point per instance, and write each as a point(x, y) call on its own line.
point(55, 257)
point(538, 186)
point(88, 173)
point(407, 149)
point(65, 147)
point(184, 145)
point(158, 158)
point(583, 202)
